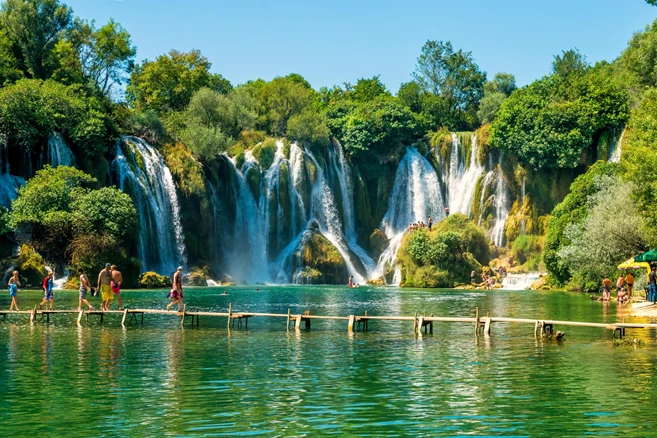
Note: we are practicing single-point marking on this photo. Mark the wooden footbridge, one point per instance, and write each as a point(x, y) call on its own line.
point(481, 324)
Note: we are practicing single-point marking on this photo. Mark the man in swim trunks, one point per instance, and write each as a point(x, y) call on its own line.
point(104, 280)
point(606, 289)
point(176, 293)
point(629, 279)
point(47, 290)
point(84, 288)
point(620, 281)
point(117, 279)
point(13, 284)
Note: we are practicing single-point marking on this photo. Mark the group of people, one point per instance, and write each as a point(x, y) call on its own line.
point(420, 224)
point(109, 284)
point(624, 286)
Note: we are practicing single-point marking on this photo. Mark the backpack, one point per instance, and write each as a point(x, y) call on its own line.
point(44, 285)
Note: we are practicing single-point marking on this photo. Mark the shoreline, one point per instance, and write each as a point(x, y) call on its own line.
point(643, 309)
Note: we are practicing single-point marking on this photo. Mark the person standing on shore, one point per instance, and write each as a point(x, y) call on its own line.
point(620, 281)
point(652, 280)
point(629, 279)
point(47, 291)
point(13, 284)
point(84, 288)
point(606, 289)
point(117, 279)
point(104, 280)
point(429, 223)
point(176, 294)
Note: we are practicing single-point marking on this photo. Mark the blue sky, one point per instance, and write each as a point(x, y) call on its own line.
point(330, 42)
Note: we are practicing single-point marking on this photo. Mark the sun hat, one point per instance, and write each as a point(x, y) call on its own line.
point(180, 268)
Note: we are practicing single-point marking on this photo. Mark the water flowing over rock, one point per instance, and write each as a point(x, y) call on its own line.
point(501, 209)
point(59, 154)
point(141, 172)
point(276, 206)
point(9, 184)
point(615, 152)
point(463, 176)
point(520, 281)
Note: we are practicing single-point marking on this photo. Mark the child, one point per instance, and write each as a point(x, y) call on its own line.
point(14, 282)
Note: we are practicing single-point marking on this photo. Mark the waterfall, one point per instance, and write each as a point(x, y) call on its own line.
point(415, 196)
point(141, 172)
point(462, 179)
point(59, 154)
point(615, 152)
point(520, 281)
point(9, 184)
point(501, 208)
point(294, 191)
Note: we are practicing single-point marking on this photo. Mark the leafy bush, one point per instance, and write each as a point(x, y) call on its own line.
point(264, 153)
point(153, 280)
point(146, 125)
point(308, 128)
point(31, 110)
point(552, 121)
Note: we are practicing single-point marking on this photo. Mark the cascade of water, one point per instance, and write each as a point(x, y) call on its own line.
point(59, 154)
point(415, 196)
point(520, 281)
point(488, 179)
point(615, 153)
point(145, 176)
point(462, 179)
point(501, 208)
point(9, 184)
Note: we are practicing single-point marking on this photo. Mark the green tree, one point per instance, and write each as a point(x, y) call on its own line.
point(366, 90)
point(308, 127)
point(549, 123)
point(31, 110)
point(58, 214)
point(570, 62)
point(35, 27)
point(452, 74)
point(570, 212)
point(489, 106)
point(504, 83)
point(410, 94)
point(99, 57)
point(169, 82)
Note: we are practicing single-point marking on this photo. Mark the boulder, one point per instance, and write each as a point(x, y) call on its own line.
point(318, 255)
point(378, 242)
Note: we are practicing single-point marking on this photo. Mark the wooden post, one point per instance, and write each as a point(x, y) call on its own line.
point(366, 322)
point(307, 321)
point(230, 314)
point(487, 325)
point(182, 319)
point(80, 316)
point(431, 325)
point(288, 320)
point(125, 315)
point(477, 321)
point(350, 325)
point(415, 323)
point(33, 315)
point(420, 324)
point(102, 316)
point(297, 324)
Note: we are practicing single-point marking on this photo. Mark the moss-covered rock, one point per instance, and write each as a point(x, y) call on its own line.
point(30, 265)
point(153, 280)
point(319, 254)
point(197, 277)
point(378, 242)
point(265, 152)
point(253, 180)
point(309, 275)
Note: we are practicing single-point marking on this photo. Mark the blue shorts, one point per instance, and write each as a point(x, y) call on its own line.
point(48, 295)
point(12, 290)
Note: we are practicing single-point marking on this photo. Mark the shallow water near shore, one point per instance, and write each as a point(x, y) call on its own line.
point(158, 379)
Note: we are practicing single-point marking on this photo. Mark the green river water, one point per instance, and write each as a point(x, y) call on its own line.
point(60, 379)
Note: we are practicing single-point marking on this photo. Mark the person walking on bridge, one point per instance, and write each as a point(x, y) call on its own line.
point(176, 293)
point(47, 291)
point(117, 280)
point(104, 280)
point(13, 284)
point(84, 288)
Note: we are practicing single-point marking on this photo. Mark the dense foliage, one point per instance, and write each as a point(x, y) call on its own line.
point(445, 256)
point(550, 123)
point(61, 217)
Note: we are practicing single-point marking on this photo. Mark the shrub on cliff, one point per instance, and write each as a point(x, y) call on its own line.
point(445, 256)
point(153, 280)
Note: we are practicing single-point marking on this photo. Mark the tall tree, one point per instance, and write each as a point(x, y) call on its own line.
point(451, 74)
point(100, 58)
point(169, 82)
point(35, 27)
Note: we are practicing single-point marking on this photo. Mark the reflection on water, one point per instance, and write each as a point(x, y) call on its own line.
point(59, 378)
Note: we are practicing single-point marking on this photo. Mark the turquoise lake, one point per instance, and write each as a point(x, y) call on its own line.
point(61, 379)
